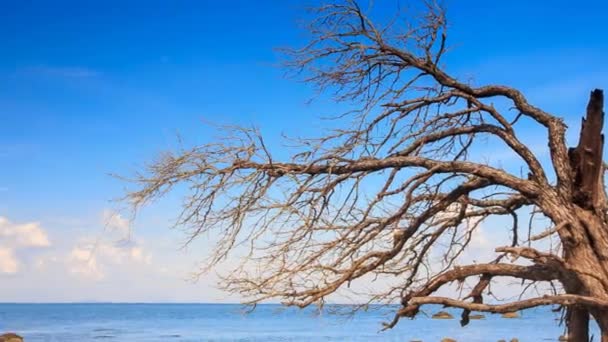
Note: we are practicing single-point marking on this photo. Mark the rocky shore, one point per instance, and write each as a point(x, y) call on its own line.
point(447, 315)
point(10, 337)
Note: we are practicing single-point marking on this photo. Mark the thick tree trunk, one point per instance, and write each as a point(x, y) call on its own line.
point(591, 248)
point(577, 321)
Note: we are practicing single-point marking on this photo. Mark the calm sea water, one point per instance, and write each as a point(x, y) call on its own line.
point(218, 322)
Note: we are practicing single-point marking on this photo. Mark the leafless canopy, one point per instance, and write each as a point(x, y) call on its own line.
point(399, 192)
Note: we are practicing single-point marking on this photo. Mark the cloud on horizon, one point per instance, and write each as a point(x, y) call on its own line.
point(94, 260)
point(8, 261)
point(29, 234)
point(16, 237)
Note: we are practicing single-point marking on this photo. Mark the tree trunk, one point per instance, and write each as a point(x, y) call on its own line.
point(577, 321)
point(590, 252)
point(586, 159)
point(604, 337)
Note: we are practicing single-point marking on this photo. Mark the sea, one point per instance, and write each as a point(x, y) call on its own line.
point(231, 322)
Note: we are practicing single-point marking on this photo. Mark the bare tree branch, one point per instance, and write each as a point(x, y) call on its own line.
point(398, 193)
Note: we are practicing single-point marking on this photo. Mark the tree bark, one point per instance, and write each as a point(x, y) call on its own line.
point(586, 159)
point(577, 322)
point(601, 318)
point(586, 162)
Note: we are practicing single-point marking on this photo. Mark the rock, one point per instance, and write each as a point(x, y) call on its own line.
point(514, 340)
point(442, 315)
point(510, 315)
point(10, 337)
point(416, 341)
point(477, 316)
point(447, 339)
point(502, 341)
point(562, 338)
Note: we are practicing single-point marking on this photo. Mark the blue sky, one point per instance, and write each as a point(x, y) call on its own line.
point(89, 89)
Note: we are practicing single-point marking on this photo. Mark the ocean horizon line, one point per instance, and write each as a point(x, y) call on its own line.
point(184, 303)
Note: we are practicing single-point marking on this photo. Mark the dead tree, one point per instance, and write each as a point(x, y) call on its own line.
point(400, 190)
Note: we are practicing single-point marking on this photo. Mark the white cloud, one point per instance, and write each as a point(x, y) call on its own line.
point(116, 223)
point(139, 255)
point(94, 260)
point(83, 262)
point(479, 240)
point(8, 261)
point(471, 225)
point(114, 251)
point(23, 235)
point(17, 237)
